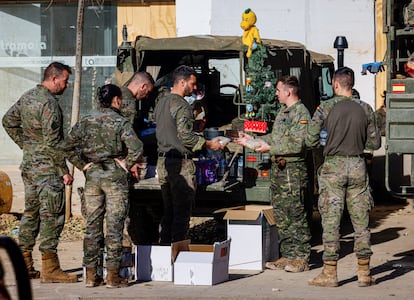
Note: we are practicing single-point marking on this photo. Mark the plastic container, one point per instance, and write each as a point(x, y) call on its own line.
point(211, 133)
point(323, 136)
point(240, 163)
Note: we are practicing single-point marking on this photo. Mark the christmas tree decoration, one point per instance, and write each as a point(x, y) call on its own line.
point(260, 86)
point(260, 89)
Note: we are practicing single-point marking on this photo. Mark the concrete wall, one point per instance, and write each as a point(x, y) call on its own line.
point(314, 23)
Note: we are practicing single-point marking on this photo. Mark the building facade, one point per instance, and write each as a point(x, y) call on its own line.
point(35, 33)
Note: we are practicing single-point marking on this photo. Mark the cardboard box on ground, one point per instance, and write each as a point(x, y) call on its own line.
point(253, 234)
point(183, 263)
point(203, 264)
point(155, 262)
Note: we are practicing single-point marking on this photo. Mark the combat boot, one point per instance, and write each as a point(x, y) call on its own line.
point(51, 271)
point(364, 275)
point(297, 265)
point(92, 278)
point(328, 277)
point(279, 264)
point(114, 281)
point(28, 260)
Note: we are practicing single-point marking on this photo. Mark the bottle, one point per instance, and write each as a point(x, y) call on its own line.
point(323, 136)
point(199, 173)
point(211, 172)
point(125, 268)
point(240, 166)
point(101, 266)
point(221, 167)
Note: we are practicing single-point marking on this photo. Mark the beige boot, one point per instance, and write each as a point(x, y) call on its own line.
point(297, 265)
point(279, 264)
point(114, 281)
point(51, 271)
point(364, 275)
point(28, 260)
point(92, 278)
point(328, 277)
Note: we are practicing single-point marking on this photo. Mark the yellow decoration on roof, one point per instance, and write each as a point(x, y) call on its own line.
point(251, 35)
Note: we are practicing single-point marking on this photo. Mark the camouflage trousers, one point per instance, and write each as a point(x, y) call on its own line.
point(44, 212)
point(344, 180)
point(289, 187)
point(178, 188)
point(106, 196)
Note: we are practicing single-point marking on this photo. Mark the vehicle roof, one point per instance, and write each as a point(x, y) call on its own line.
point(194, 43)
point(320, 57)
point(218, 43)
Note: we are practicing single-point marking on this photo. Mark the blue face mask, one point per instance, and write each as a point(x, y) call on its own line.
point(191, 99)
point(196, 95)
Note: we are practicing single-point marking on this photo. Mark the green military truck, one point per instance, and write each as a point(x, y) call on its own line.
point(220, 63)
point(399, 143)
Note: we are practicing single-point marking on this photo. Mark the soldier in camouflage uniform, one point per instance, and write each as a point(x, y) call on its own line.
point(289, 182)
point(176, 145)
point(138, 88)
point(35, 124)
point(104, 146)
point(381, 116)
point(351, 128)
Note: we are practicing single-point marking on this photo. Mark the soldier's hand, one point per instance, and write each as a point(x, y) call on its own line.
point(67, 179)
point(121, 163)
point(241, 141)
point(214, 144)
point(262, 146)
point(243, 138)
point(87, 166)
point(245, 135)
point(135, 171)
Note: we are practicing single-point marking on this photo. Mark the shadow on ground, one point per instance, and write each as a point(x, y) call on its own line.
point(378, 215)
point(390, 270)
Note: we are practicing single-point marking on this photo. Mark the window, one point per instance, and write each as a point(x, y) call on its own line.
point(33, 35)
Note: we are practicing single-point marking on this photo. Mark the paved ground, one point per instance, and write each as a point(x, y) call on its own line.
point(392, 265)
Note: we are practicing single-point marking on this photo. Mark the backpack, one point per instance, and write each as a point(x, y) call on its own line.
point(408, 12)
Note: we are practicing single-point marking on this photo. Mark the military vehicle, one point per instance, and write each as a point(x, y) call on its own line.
point(399, 145)
point(220, 63)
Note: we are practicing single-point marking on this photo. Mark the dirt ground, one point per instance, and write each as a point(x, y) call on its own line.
point(392, 227)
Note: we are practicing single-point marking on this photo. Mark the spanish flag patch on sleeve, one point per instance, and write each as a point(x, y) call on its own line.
point(303, 121)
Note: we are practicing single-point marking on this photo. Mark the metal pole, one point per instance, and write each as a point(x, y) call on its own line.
point(76, 96)
point(340, 44)
point(340, 58)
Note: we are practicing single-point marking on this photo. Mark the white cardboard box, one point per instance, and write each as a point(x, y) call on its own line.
point(155, 263)
point(203, 264)
point(253, 234)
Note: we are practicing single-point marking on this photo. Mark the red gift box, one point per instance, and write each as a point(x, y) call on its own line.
point(255, 126)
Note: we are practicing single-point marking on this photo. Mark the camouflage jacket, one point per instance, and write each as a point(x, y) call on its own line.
point(102, 136)
point(373, 141)
point(380, 115)
point(35, 123)
point(129, 105)
point(174, 118)
point(289, 132)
